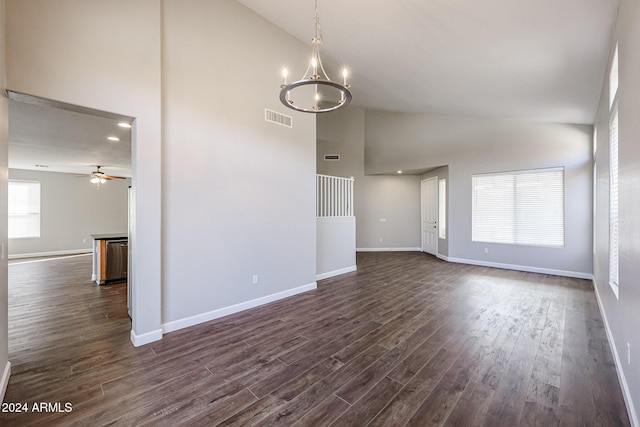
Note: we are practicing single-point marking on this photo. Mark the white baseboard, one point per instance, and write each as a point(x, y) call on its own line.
point(565, 273)
point(145, 338)
point(336, 272)
point(225, 311)
point(388, 249)
point(52, 253)
point(4, 381)
point(626, 393)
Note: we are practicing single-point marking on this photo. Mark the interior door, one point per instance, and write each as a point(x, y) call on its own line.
point(430, 215)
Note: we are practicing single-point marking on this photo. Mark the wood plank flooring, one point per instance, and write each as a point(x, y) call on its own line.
point(406, 340)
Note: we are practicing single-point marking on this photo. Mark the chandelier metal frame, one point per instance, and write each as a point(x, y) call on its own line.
point(315, 75)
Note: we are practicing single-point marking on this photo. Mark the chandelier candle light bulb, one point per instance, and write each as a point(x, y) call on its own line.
point(327, 95)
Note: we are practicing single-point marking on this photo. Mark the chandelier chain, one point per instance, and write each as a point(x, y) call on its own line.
point(318, 29)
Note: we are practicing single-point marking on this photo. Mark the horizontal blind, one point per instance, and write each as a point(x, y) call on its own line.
point(24, 209)
point(523, 208)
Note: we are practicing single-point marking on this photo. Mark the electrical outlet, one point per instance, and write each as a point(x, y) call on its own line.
point(381, 239)
point(629, 353)
point(383, 219)
point(255, 279)
point(486, 250)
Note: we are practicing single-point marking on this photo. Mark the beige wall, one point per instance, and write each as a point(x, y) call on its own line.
point(394, 198)
point(622, 315)
point(238, 192)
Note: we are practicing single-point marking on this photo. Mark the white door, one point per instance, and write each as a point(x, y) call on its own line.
point(430, 215)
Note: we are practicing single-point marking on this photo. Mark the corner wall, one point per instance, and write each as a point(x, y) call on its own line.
point(239, 192)
point(622, 316)
point(394, 198)
point(234, 195)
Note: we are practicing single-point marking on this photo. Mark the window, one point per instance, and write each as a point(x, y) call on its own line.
point(442, 208)
point(520, 208)
point(24, 209)
point(613, 78)
point(614, 241)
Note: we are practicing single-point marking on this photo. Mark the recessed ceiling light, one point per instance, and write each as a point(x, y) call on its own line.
point(399, 171)
point(113, 138)
point(124, 125)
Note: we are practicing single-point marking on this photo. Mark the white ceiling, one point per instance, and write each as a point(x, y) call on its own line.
point(541, 60)
point(61, 140)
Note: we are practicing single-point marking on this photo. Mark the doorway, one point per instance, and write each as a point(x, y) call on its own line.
point(429, 215)
point(62, 147)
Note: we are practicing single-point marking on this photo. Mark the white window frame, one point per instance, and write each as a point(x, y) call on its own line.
point(614, 155)
point(25, 210)
point(513, 230)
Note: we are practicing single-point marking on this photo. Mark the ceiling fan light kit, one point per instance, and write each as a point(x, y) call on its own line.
point(315, 92)
point(98, 177)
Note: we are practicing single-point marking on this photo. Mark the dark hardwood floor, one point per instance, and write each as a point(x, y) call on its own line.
point(406, 340)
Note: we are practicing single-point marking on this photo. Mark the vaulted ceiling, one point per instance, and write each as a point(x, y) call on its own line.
point(541, 60)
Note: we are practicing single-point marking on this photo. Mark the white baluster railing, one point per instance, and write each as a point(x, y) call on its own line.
point(334, 196)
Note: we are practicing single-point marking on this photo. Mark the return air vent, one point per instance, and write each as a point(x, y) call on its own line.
point(332, 157)
point(278, 118)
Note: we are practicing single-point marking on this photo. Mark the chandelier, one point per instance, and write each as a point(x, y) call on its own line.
point(315, 92)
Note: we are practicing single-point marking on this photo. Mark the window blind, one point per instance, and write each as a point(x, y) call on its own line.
point(24, 209)
point(613, 204)
point(522, 207)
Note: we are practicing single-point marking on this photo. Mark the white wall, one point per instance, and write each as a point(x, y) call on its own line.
point(104, 55)
point(396, 198)
point(5, 366)
point(72, 208)
point(479, 145)
point(239, 192)
point(336, 246)
point(233, 195)
point(622, 316)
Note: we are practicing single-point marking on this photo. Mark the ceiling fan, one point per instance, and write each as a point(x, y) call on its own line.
point(99, 177)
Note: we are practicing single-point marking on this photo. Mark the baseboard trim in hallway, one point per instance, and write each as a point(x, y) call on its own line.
point(232, 309)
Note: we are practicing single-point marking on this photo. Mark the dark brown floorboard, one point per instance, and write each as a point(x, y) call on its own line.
point(406, 340)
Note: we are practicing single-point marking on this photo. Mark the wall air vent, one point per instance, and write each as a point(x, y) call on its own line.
point(332, 157)
point(278, 118)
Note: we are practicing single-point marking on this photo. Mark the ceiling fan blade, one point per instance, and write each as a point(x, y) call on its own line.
point(113, 176)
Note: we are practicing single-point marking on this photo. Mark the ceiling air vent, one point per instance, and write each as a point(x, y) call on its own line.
point(278, 118)
point(332, 157)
